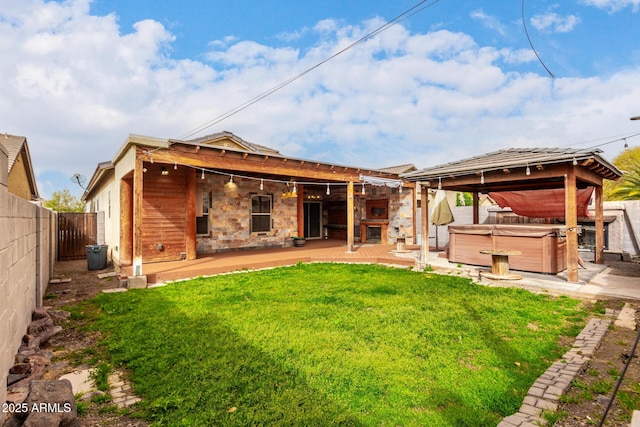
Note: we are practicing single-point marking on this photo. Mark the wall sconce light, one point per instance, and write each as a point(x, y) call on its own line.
point(164, 171)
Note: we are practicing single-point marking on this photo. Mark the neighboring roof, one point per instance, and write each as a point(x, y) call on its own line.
point(100, 171)
point(400, 169)
point(16, 146)
point(221, 139)
point(12, 145)
point(519, 157)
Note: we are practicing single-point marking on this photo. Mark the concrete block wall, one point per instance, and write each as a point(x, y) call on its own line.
point(26, 265)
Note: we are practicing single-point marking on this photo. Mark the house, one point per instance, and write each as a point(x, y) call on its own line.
point(22, 181)
point(166, 199)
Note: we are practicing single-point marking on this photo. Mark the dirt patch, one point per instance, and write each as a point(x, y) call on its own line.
point(76, 349)
point(583, 405)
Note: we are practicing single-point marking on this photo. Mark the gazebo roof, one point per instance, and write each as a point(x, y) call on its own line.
point(518, 168)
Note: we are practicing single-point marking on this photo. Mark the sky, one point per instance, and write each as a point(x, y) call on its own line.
point(453, 80)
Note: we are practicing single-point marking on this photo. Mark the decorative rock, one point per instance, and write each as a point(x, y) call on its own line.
point(50, 404)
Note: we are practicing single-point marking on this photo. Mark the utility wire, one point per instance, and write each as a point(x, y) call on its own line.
point(403, 16)
point(524, 24)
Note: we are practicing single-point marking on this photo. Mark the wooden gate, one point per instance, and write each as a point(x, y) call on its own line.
point(75, 232)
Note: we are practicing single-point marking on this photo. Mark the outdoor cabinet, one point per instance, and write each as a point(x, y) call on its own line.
point(543, 247)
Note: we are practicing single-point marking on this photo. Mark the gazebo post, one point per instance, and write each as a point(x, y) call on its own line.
point(476, 208)
point(424, 211)
point(571, 223)
point(137, 216)
point(350, 217)
point(599, 254)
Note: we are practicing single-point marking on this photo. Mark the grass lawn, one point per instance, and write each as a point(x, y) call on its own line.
point(333, 344)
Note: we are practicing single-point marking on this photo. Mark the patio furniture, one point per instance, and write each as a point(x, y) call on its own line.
point(500, 264)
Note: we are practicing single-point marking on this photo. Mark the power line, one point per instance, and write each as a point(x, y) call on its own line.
point(524, 24)
point(403, 16)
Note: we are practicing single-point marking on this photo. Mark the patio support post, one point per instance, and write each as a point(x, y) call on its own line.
point(138, 178)
point(126, 221)
point(571, 222)
point(599, 254)
point(300, 214)
point(350, 217)
point(476, 208)
point(424, 218)
point(190, 220)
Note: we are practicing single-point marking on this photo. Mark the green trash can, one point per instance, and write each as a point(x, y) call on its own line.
point(96, 257)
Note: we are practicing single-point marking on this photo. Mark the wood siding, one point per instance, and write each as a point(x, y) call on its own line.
point(164, 206)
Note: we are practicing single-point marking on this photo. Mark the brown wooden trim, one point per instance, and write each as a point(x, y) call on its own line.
point(254, 163)
point(424, 247)
point(571, 221)
point(126, 221)
point(190, 232)
point(300, 209)
point(138, 179)
point(599, 253)
point(476, 207)
point(350, 217)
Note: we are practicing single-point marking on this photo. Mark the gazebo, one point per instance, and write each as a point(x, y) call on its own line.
point(560, 174)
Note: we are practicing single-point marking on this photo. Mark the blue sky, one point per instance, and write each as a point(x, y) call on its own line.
point(454, 80)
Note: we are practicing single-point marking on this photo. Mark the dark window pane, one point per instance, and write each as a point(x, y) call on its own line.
point(260, 223)
point(202, 224)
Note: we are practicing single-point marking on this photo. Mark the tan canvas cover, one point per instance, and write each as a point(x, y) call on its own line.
point(542, 203)
point(441, 214)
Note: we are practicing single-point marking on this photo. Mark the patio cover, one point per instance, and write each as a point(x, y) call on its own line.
point(542, 203)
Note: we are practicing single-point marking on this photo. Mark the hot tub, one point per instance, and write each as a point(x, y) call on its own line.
point(543, 247)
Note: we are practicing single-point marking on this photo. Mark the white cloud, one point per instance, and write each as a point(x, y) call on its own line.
point(489, 21)
point(552, 22)
point(614, 5)
point(75, 85)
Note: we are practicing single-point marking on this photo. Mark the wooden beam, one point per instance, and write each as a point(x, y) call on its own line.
point(424, 226)
point(476, 207)
point(211, 159)
point(350, 218)
point(138, 179)
point(599, 254)
point(126, 221)
point(571, 222)
point(300, 210)
point(190, 223)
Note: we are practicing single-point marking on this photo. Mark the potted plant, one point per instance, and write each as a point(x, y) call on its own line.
point(298, 241)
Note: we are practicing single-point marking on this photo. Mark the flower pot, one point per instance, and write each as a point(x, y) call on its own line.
point(298, 243)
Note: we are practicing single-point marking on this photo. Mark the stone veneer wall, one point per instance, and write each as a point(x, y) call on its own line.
point(400, 210)
point(27, 250)
point(230, 216)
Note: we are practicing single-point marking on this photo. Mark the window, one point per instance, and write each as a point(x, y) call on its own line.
point(260, 213)
point(202, 218)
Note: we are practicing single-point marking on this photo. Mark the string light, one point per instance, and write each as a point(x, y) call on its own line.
point(362, 189)
point(328, 190)
point(527, 171)
point(261, 184)
point(230, 179)
point(481, 177)
point(295, 190)
point(575, 162)
point(175, 166)
point(202, 176)
point(439, 183)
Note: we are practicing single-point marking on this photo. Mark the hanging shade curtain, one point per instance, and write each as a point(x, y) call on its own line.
point(441, 214)
point(379, 182)
point(542, 203)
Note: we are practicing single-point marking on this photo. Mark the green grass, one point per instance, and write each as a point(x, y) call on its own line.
point(331, 344)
